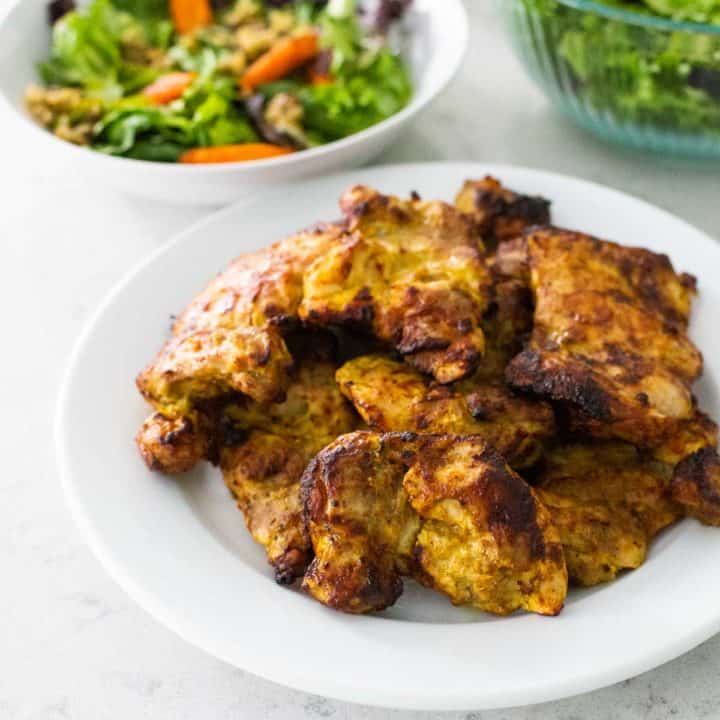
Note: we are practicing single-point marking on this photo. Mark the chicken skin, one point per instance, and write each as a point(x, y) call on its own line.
point(443, 509)
point(607, 502)
point(265, 451)
point(230, 338)
point(691, 435)
point(609, 336)
point(696, 485)
point(411, 273)
point(392, 396)
point(499, 213)
point(507, 325)
point(173, 446)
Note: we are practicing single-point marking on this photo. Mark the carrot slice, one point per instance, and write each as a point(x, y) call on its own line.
point(233, 153)
point(284, 57)
point(317, 78)
point(168, 87)
point(189, 15)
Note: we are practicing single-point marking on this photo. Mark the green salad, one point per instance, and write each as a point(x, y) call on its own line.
point(642, 74)
point(199, 81)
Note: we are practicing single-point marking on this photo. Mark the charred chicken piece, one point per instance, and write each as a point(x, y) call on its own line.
point(500, 213)
point(443, 509)
point(696, 485)
point(392, 396)
point(411, 273)
point(609, 336)
point(360, 523)
point(265, 452)
point(607, 501)
point(692, 434)
point(230, 339)
point(173, 446)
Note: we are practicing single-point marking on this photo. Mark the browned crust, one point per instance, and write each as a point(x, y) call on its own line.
point(230, 337)
point(609, 336)
point(393, 397)
point(267, 449)
point(696, 485)
point(172, 445)
point(410, 272)
point(501, 498)
point(645, 271)
point(607, 500)
point(364, 576)
point(380, 507)
point(530, 372)
point(500, 213)
point(688, 436)
point(262, 474)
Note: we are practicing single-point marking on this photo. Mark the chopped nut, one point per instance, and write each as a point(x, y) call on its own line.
point(284, 112)
point(64, 110)
point(135, 50)
point(281, 21)
point(235, 63)
point(244, 11)
point(80, 134)
point(36, 105)
point(217, 35)
point(188, 41)
point(255, 39)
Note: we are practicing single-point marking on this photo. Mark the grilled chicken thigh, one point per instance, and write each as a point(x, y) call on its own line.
point(609, 336)
point(607, 501)
point(392, 396)
point(458, 334)
point(230, 338)
point(499, 213)
point(443, 509)
point(265, 451)
point(411, 273)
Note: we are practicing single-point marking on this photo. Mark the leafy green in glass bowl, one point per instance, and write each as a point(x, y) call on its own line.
point(642, 72)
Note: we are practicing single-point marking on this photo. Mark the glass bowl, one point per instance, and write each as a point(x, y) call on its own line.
point(630, 77)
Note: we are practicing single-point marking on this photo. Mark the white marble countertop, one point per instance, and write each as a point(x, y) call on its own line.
point(72, 645)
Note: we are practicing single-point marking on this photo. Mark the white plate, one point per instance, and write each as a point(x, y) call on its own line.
point(181, 551)
point(439, 33)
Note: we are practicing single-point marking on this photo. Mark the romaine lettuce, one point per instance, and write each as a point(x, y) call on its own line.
point(640, 74)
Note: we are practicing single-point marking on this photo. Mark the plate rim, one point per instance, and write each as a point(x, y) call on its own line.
point(441, 698)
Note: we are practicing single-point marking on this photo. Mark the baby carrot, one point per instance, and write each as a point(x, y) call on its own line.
point(284, 57)
point(317, 78)
point(233, 153)
point(168, 87)
point(189, 15)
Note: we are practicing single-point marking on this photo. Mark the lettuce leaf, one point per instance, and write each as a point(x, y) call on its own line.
point(370, 82)
point(91, 48)
point(86, 52)
point(207, 114)
point(700, 11)
point(124, 127)
point(641, 75)
point(359, 97)
point(154, 18)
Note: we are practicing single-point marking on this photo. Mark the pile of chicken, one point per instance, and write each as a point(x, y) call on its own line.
point(463, 395)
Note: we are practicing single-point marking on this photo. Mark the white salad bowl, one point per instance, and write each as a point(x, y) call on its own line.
point(437, 43)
